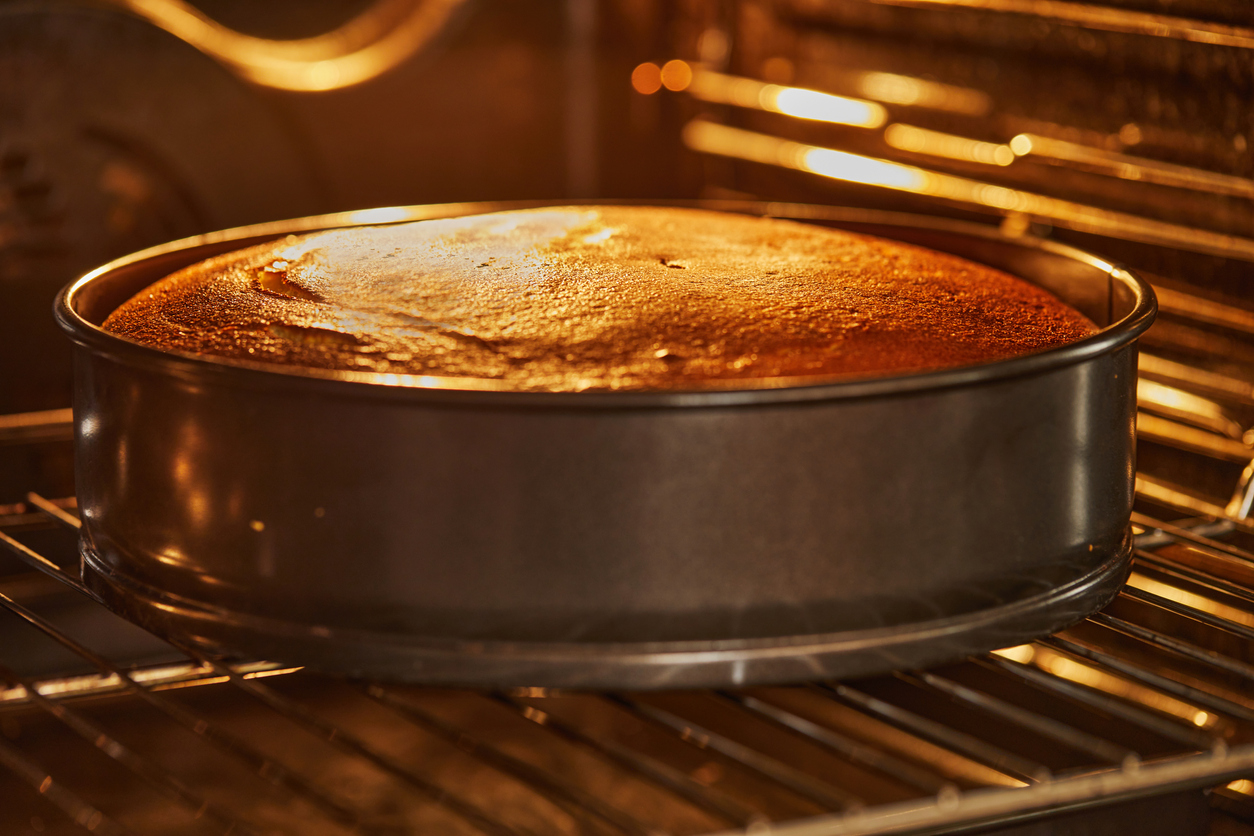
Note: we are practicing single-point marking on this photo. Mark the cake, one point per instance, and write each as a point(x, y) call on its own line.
point(599, 298)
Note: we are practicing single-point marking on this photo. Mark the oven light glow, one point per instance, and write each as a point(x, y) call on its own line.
point(1110, 20)
point(191, 683)
point(855, 168)
point(1242, 785)
point(1185, 406)
point(676, 75)
point(1171, 496)
point(646, 78)
point(275, 672)
point(712, 138)
point(1021, 653)
point(530, 692)
point(535, 715)
point(937, 144)
point(821, 107)
point(1190, 599)
point(60, 688)
point(1067, 668)
point(1128, 167)
point(904, 90)
point(797, 102)
point(324, 75)
point(362, 48)
point(1021, 145)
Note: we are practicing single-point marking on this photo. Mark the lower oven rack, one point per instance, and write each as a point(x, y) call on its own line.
point(1152, 698)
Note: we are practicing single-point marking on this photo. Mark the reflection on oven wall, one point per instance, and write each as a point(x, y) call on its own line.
point(1114, 125)
point(123, 125)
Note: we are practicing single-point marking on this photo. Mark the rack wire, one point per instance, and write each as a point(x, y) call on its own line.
point(1151, 696)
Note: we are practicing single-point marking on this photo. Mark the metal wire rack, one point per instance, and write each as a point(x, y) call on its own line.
point(1153, 696)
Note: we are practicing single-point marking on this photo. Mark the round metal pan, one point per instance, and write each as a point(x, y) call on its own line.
point(444, 531)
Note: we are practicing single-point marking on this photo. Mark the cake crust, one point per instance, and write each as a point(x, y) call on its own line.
point(604, 298)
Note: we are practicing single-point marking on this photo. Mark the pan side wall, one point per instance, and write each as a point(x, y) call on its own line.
point(487, 521)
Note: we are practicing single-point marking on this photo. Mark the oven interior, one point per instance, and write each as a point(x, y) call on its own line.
point(1121, 126)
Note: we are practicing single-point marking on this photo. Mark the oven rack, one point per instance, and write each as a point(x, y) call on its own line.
point(1152, 697)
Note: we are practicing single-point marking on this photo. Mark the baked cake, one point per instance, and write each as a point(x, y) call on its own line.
point(606, 298)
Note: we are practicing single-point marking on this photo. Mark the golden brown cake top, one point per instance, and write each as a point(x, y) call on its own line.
point(575, 298)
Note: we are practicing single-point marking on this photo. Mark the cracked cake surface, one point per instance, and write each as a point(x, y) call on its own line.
point(602, 298)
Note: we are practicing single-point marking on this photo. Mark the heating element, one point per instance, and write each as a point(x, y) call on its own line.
point(1114, 725)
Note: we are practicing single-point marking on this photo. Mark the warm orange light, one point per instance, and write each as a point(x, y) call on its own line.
point(1242, 785)
point(1022, 653)
point(1064, 667)
point(646, 78)
point(376, 40)
point(676, 75)
point(915, 92)
point(935, 143)
point(381, 215)
point(1127, 166)
point(724, 140)
point(791, 101)
point(1190, 599)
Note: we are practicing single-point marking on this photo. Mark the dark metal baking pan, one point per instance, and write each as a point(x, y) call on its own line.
point(444, 531)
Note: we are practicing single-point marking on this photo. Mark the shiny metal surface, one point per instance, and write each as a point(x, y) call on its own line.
point(439, 531)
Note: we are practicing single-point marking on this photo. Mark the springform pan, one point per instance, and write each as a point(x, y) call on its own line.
point(441, 530)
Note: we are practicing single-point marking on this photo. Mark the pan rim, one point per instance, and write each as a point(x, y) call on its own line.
point(647, 665)
point(492, 393)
